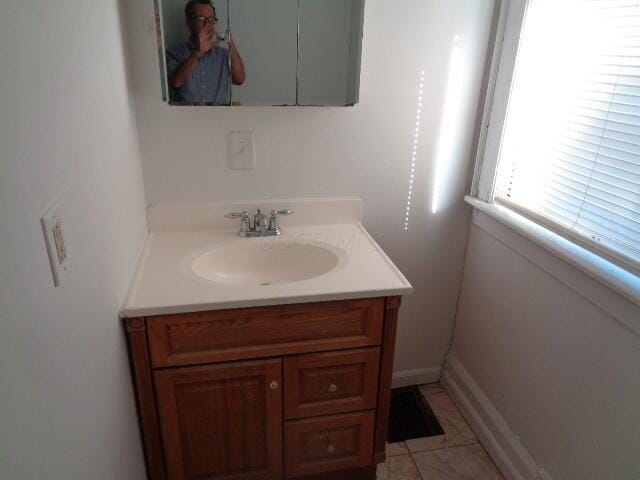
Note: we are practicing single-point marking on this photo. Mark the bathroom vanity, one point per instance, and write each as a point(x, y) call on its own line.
point(262, 377)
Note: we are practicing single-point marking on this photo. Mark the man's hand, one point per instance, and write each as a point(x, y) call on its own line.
point(204, 41)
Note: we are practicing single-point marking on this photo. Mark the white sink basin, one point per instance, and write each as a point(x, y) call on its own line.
point(260, 262)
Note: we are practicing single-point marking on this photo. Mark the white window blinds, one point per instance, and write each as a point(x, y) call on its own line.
point(570, 150)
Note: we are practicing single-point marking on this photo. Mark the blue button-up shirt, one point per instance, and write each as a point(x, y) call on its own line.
point(209, 82)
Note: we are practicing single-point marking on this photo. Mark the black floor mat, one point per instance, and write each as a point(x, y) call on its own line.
point(410, 416)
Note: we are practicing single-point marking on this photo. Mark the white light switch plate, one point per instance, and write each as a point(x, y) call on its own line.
point(241, 151)
point(51, 222)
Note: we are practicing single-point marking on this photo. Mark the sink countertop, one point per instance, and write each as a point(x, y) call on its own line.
point(165, 282)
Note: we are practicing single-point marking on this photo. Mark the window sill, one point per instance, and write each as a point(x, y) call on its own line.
point(604, 272)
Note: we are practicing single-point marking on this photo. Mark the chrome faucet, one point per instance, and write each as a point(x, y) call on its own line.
point(263, 226)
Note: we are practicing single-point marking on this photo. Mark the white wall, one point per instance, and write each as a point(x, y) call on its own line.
point(67, 131)
point(548, 348)
point(364, 150)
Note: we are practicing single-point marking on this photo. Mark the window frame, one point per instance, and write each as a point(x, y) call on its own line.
point(511, 17)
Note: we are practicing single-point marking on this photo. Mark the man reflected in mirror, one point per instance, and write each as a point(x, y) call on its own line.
point(199, 70)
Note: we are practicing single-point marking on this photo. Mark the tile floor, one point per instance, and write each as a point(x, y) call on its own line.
point(456, 455)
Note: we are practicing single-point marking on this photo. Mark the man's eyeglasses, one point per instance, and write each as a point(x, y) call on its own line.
point(201, 19)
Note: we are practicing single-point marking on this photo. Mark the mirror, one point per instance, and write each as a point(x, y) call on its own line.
point(260, 52)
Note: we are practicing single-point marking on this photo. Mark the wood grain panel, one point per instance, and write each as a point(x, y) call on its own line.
point(325, 444)
point(222, 421)
point(222, 335)
point(333, 382)
point(392, 305)
point(145, 396)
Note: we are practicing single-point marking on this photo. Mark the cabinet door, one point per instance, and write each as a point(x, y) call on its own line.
point(222, 421)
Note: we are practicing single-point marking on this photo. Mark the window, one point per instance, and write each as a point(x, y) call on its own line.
point(563, 144)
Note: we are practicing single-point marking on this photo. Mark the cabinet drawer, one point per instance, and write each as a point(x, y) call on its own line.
point(334, 382)
point(324, 444)
point(221, 335)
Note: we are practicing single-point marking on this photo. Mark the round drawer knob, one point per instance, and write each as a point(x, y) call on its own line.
point(333, 388)
point(274, 385)
point(331, 449)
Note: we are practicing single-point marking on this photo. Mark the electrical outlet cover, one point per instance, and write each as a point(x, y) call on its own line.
point(51, 222)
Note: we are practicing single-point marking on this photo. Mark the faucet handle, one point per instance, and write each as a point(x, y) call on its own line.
point(245, 223)
point(242, 214)
point(275, 213)
point(274, 223)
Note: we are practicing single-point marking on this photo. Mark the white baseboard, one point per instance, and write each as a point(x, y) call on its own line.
point(511, 457)
point(418, 376)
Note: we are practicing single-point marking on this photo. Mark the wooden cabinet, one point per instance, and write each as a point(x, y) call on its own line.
point(265, 393)
point(222, 420)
